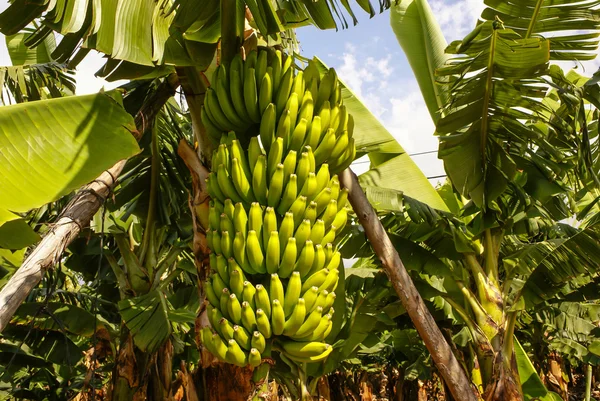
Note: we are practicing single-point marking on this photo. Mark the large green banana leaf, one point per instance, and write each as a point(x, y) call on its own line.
point(20, 54)
point(163, 31)
point(423, 43)
point(572, 27)
point(49, 148)
point(391, 167)
point(532, 385)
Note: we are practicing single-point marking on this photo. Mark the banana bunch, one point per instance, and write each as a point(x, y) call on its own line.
point(276, 208)
point(266, 93)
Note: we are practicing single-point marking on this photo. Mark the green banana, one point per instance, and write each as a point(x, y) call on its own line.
point(226, 244)
point(321, 301)
point(225, 223)
point(325, 88)
point(334, 260)
point(240, 220)
point(213, 131)
point(262, 300)
point(239, 253)
point(276, 288)
point(261, 65)
point(276, 65)
point(215, 113)
point(319, 333)
point(311, 159)
point(241, 336)
point(322, 177)
point(259, 180)
point(316, 280)
point(221, 267)
point(319, 261)
point(248, 294)
point(283, 128)
point(236, 152)
point(310, 298)
point(248, 317)
point(276, 187)
point(255, 220)
point(235, 354)
point(334, 184)
point(216, 242)
point(213, 187)
point(258, 341)
point(292, 106)
point(218, 285)
point(263, 324)
point(302, 234)
point(275, 156)
point(309, 189)
point(323, 151)
point(283, 93)
point(289, 196)
point(340, 146)
point(318, 232)
point(298, 135)
point(329, 235)
point(286, 229)
point(289, 165)
point(329, 301)
point(292, 293)
point(340, 219)
point(310, 213)
point(236, 87)
point(273, 253)
point(306, 258)
point(229, 209)
point(277, 318)
point(307, 108)
point(322, 200)
point(215, 345)
point(313, 137)
point(254, 358)
point(236, 278)
point(267, 126)
point(343, 198)
point(226, 185)
point(329, 213)
point(303, 169)
point(304, 349)
point(251, 95)
point(310, 324)
point(222, 156)
point(226, 329)
point(265, 93)
point(334, 117)
point(240, 181)
point(234, 309)
point(297, 209)
point(254, 151)
point(325, 116)
point(210, 294)
point(255, 255)
point(331, 281)
point(269, 224)
point(209, 239)
point(294, 322)
point(299, 85)
point(222, 90)
point(288, 259)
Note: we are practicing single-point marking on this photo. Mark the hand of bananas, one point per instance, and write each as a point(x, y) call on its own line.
point(275, 209)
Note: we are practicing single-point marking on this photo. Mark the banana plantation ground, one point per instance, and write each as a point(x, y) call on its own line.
point(198, 233)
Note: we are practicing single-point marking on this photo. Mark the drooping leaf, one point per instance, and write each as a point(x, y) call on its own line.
point(532, 385)
point(49, 148)
point(20, 54)
point(423, 43)
point(572, 27)
point(17, 234)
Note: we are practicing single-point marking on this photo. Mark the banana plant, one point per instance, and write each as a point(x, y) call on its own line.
point(516, 155)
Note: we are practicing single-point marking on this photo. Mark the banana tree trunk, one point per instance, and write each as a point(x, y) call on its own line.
point(445, 360)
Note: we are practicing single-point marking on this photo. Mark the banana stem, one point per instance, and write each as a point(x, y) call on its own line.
point(148, 254)
point(588, 382)
point(305, 393)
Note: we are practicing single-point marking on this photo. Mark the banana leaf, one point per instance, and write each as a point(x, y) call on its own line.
point(51, 147)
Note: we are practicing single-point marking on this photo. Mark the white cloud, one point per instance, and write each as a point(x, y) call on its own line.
point(457, 19)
